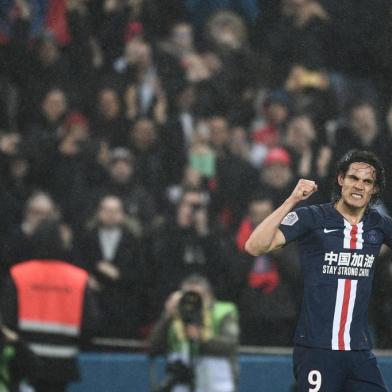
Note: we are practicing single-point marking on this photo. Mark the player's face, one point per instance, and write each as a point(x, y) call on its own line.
point(358, 185)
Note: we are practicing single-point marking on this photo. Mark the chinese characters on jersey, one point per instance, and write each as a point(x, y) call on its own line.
point(348, 264)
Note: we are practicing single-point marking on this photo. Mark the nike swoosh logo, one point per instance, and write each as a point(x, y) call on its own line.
point(330, 231)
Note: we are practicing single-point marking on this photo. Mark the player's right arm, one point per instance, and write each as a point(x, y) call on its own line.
point(267, 236)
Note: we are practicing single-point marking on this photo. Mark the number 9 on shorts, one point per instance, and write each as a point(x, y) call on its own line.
point(314, 379)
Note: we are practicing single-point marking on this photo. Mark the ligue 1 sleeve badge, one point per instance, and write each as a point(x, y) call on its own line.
point(290, 219)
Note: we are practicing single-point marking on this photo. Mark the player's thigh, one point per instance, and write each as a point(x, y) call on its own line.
point(317, 370)
point(365, 376)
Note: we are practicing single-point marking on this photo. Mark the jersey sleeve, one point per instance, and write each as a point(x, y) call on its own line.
point(296, 223)
point(387, 228)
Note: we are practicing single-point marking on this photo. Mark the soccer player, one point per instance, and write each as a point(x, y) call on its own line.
point(338, 243)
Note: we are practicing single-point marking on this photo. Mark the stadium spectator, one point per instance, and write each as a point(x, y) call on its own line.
point(276, 175)
point(234, 176)
point(15, 174)
point(191, 179)
point(310, 157)
point(200, 336)
point(201, 155)
point(302, 36)
point(109, 123)
point(110, 22)
point(12, 13)
point(198, 249)
point(137, 70)
point(145, 144)
point(299, 141)
point(139, 205)
point(175, 54)
point(85, 56)
point(238, 77)
point(18, 181)
point(71, 159)
point(18, 247)
point(113, 257)
point(48, 301)
point(274, 114)
point(53, 109)
point(179, 131)
point(239, 143)
point(42, 136)
point(268, 288)
point(362, 130)
point(200, 11)
point(313, 92)
point(36, 68)
point(388, 159)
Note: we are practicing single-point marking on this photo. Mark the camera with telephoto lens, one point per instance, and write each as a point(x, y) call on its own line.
point(190, 308)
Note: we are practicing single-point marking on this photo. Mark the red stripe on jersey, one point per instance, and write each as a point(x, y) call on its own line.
point(353, 234)
point(343, 316)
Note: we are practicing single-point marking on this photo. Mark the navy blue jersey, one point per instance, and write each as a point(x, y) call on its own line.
point(337, 261)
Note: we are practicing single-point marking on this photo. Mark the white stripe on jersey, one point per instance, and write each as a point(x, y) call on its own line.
point(344, 308)
point(359, 236)
point(338, 313)
point(353, 295)
point(347, 235)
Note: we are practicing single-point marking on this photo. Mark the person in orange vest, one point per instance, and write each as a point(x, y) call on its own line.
point(48, 301)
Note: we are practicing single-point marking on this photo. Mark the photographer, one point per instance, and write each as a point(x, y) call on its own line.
point(200, 336)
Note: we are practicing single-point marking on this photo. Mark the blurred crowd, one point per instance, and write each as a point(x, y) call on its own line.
point(159, 133)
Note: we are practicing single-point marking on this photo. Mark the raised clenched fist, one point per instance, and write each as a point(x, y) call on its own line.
point(303, 190)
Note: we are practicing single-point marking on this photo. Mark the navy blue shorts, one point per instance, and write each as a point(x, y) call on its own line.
point(321, 370)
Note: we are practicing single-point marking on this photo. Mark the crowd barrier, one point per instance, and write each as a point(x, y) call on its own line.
point(132, 372)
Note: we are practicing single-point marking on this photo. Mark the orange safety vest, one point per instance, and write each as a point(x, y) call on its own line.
point(50, 302)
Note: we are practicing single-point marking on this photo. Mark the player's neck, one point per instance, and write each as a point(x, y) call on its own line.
point(352, 214)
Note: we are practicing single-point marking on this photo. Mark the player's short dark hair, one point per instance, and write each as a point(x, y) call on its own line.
point(359, 156)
